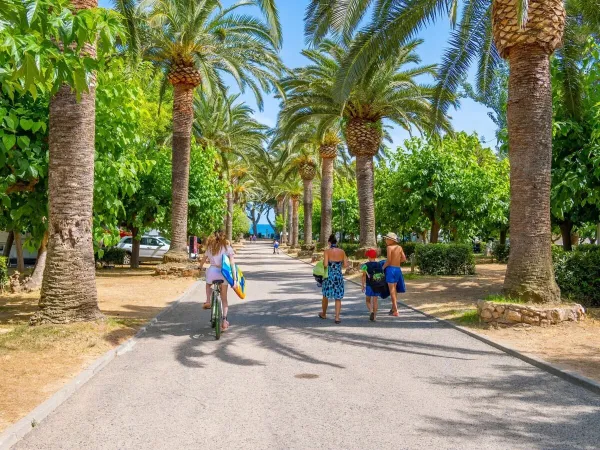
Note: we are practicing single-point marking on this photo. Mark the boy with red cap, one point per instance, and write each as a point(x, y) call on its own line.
point(373, 282)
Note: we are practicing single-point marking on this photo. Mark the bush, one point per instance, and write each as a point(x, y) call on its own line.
point(500, 253)
point(3, 273)
point(577, 274)
point(586, 248)
point(445, 259)
point(409, 248)
point(349, 248)
point(113, 255)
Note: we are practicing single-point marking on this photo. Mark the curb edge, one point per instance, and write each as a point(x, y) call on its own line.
point(20, 429)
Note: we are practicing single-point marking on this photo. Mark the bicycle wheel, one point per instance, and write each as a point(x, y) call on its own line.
point(218, 317)
point(214, 305)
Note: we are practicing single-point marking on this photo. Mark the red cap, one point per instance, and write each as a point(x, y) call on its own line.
point(371, 253)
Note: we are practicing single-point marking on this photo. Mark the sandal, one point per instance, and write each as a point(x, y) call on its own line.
point(206, 305)
point(338, 321)
point(321, 317)
point(225, 325)
point(372, 317)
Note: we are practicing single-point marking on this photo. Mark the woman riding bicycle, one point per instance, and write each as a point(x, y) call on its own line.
point(217, 245)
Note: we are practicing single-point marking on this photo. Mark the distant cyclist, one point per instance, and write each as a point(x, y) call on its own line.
point(217, 245)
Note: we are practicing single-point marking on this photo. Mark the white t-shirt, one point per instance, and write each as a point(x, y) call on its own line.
point(215, 260)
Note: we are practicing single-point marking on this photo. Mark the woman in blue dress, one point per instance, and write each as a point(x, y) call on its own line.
point(333, 286)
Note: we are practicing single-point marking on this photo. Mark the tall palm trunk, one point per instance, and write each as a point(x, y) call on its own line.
point(229, 216)
point(183, 118)
point(308, 212)
point(289, 221)
point(364, 138)
point(284, 218)
point(530, 274)
point(326, 201)
point(69, 285)
point(295, 220)
point(35, 281)
point(366, 201)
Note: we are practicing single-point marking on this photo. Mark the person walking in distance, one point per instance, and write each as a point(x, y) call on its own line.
point(275, 246)
point(392, 270)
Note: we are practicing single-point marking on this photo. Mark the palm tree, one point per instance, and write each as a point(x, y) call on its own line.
point(195, 42)
point(526, 33)
point(222, 122)
point(386, 91)
point(69, 284)
point(291, 190)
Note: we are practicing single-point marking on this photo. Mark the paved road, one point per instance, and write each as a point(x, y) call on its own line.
point(283, 379)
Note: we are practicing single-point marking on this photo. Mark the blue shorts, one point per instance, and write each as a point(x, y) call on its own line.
point(393, 274)
point(369, 292)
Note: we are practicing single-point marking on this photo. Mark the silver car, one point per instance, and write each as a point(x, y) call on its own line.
point(151, 248)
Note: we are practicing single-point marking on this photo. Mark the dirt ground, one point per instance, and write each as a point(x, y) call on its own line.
point(36, 362)
point(573, 346)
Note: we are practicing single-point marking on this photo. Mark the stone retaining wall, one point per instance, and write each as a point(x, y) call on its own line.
point(510, 314)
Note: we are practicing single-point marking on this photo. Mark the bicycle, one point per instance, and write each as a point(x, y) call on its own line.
point(216, 308)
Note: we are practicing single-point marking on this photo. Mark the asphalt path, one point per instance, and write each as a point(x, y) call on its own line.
point(281, 378)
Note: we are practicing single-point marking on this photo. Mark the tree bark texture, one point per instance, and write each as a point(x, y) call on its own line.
point(229, 216)
point(9, 243)
point(530, 274)
point(435, 232)
point(35, 281)
point(366, 201)
point(69, 285)
point(135, 249)
point(183, 118)
point(308, 212)
point(289, 221)
point(326, 201)
point(283, 239)
point(19, 248)
point(295, 220)
point(503, 234)
point(565, 231)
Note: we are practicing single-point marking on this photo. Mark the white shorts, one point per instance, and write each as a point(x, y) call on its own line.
point(213, 273)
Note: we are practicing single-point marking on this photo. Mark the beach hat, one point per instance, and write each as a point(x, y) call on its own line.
point(391, 237)
point(371, 253)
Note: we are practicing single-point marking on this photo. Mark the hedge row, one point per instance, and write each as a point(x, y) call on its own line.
point(113, 255)
point(445, 259)
point(3, 273)
point(578, 274)
point(500, 253)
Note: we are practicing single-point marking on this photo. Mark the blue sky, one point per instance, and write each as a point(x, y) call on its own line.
point(471, 117)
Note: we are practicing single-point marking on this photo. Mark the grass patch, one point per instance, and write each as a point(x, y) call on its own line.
point(469, 317)
point(495, 298)
point(411, 276)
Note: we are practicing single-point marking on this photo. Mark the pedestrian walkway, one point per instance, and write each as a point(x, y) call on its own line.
point(281, 378)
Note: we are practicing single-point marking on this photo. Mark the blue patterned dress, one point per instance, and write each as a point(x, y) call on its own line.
point(333, 285)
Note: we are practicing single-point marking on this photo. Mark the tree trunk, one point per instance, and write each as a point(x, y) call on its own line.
point(183, 117)
point(135, 249)
point(295, 220)
point(503, 233)
point(366, 201)
point(308, 212)
point(565, 231)
point(254, 220)
point(229, 216)
point(9, 243)
point(35, 281)
point(435, 232)
point(530, 274)
point(19, 247)
point(289, 221)
point(283, 239)
point(69, 284)
point(326, 201)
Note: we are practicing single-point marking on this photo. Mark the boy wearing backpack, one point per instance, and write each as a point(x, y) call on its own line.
point(373, 283)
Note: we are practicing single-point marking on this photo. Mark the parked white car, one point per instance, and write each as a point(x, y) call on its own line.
point(151, 247)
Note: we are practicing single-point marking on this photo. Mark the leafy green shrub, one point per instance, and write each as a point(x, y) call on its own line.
point(349, 248)
point(3, 273)
point(500, 253)
point(409, 248)
point(587, 248)
point(578, 275)
point(445, 259)
point(113, 255)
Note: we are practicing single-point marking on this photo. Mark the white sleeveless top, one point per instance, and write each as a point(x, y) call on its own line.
point(215, 260)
